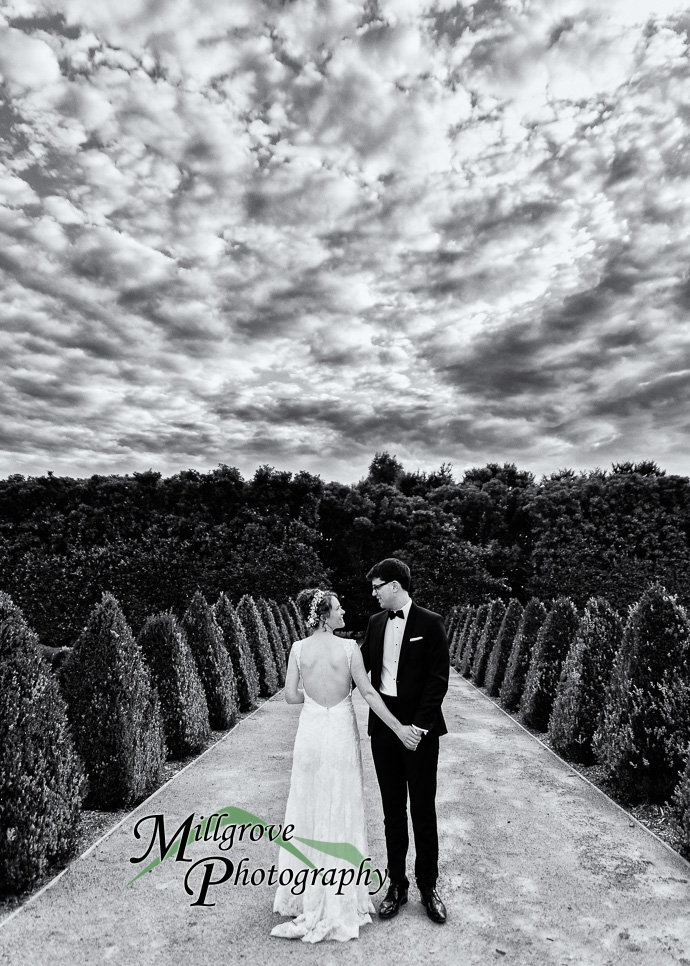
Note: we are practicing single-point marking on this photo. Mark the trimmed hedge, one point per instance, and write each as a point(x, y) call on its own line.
point(586, 673)
point(498, 659)
point(643, 737)
point(680, 810)
point(243, 665)
point(42, 779)
point(472, 640)
point(521, 654)
point(175, 676)
point(9, 611)
point(114, 710)
point(274, 639)
point(460, 636)
point(455, 617)
point(297, 620)
point(213, 663)
point(257, 639)
point(293, 633)
point(492, 626)
point(282, 628)
point(556, 637)
point(455, 630)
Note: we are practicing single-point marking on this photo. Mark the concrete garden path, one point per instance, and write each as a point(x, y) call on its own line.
point(537, 866)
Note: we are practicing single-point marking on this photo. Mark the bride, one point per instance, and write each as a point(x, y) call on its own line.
point(326, 799)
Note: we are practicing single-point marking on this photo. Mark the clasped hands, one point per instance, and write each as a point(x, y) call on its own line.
point(410, 736)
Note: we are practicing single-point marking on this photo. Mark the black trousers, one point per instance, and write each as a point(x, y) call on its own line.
point(401, 772)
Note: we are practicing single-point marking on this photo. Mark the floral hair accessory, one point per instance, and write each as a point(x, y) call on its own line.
point(312, 620)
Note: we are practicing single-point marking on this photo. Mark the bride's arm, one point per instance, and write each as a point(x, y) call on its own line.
point(377, 704)
point(293, 694)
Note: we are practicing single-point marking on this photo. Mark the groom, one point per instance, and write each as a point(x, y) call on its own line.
point(406, 650)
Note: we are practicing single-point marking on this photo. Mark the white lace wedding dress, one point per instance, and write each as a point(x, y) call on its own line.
point(325, 804)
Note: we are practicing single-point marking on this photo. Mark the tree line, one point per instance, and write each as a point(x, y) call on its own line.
point(495, 533)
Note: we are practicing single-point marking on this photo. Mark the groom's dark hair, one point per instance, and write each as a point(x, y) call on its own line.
point(391, 569)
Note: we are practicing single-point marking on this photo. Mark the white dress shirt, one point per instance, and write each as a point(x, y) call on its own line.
point(392, 642)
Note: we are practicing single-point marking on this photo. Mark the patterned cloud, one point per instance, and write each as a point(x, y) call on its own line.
point(299, 232)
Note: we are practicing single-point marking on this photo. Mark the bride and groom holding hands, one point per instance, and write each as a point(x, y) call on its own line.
point(406, 650)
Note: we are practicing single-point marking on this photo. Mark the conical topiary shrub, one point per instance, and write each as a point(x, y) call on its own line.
point(486, 641)
point(585, 677)
point(42, 780)
point(274, 638)
point(283, 632)
point(237, 647)
point(213, 663)
point(451, 623)
point(500, 652)
point(455, 629)
point(556, 637)
point(459, 615)
point(293, 633)
point(257, 639)
point(297, 619)
point(644, 733)
point(175, 676)
point(460, 635)
point(114, 710)
point(472, 639)
point(8, 608)
point(464, 635)
point(680, 810)
point(521, 653)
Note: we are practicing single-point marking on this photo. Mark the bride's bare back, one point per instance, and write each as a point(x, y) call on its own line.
point(327, 674)
point(325, 670)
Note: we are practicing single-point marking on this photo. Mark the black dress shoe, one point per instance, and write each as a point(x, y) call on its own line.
point(435, 909)
point(394, 898)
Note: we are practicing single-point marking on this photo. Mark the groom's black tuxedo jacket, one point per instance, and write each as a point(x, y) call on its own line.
point(423, 668)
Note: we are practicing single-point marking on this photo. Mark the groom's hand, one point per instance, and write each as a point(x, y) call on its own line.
point(409, 737)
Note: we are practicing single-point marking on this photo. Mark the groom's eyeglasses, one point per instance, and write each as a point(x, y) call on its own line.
point(376, 587)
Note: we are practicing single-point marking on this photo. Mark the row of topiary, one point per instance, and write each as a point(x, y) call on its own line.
point(97, 732)
point(607, 692)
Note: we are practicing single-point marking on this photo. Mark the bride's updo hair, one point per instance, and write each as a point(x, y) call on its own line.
point(314, 605)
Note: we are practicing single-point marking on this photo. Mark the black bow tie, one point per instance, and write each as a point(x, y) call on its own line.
point(392, 614)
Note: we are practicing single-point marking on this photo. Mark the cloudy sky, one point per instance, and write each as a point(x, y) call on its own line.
point(297, 232)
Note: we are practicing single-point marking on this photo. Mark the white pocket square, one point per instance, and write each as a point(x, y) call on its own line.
point(416, 639)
